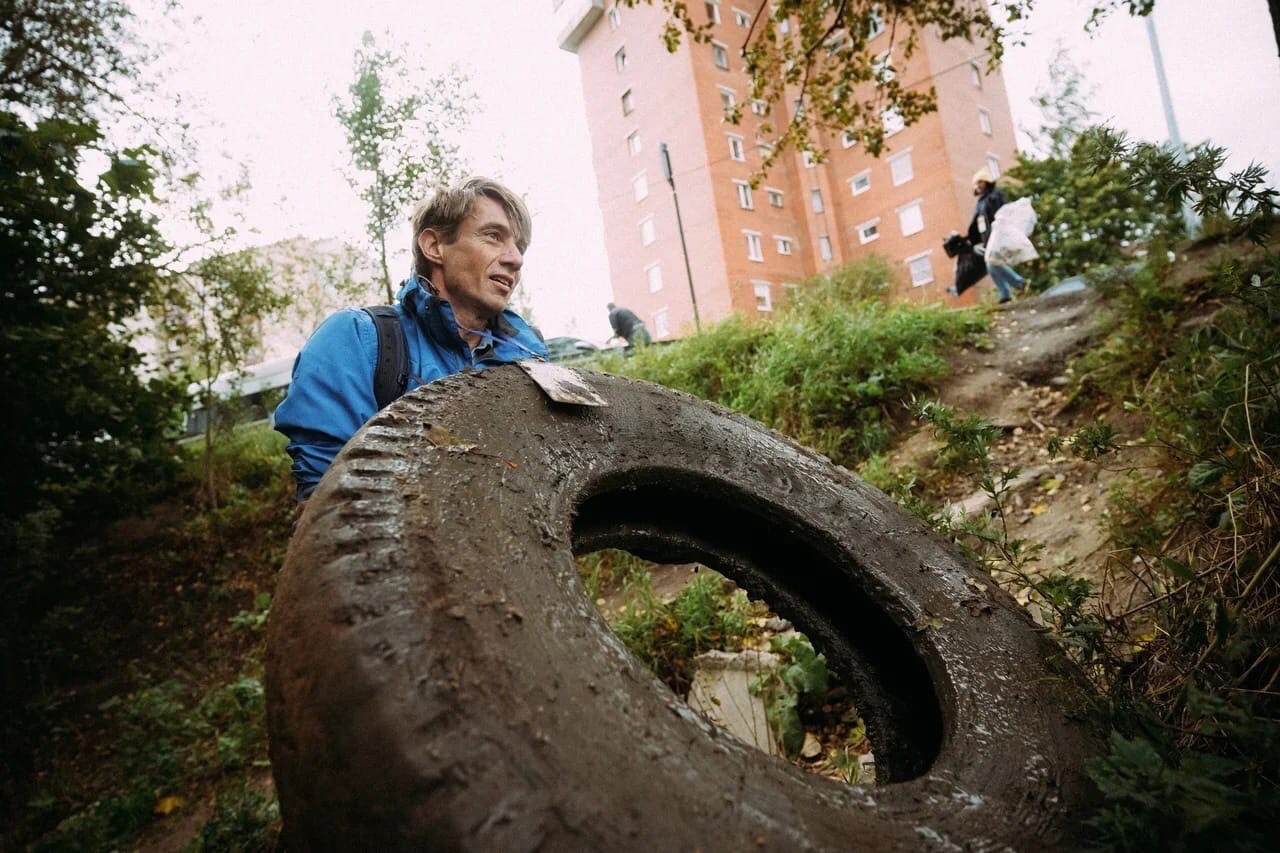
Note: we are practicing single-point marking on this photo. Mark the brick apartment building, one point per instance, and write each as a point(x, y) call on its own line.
point(748, 246)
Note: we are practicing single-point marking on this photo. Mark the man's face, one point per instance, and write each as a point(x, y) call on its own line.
point(479, 270)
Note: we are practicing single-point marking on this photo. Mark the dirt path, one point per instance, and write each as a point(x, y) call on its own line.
point(1019, 382)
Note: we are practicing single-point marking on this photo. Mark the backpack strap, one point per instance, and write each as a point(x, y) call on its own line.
point(391, 371)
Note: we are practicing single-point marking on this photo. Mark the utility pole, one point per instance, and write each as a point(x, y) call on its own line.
point(1188, 214)
point(665, 156)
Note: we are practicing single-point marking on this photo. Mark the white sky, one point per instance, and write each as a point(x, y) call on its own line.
point(264, 74)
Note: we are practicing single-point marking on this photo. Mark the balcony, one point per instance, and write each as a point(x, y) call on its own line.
point(574, 19)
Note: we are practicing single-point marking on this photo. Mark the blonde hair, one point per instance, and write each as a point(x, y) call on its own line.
point(444, 211)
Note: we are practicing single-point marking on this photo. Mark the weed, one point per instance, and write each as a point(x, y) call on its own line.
point(245, 820)
point(707, 615)
point(802, 677)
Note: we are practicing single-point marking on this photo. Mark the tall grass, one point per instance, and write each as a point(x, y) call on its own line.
point(832, 369)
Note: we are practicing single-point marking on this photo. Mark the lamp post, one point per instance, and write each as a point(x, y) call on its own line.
point(665, 156)
point(1166, 100)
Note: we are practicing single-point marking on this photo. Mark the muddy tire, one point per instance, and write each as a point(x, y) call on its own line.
point(438, 680)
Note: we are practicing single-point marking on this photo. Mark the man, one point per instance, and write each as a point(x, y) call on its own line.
point(468, 249)
point(991, 200)
point(628, 326)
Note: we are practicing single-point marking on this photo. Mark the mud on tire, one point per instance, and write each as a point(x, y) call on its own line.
point(438, 679)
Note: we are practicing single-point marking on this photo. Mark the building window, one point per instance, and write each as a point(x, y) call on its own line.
point(614, 17)
point(628, 104)
point(791, 291)
point(620, 58)
point(809, 161)
point(640, 186)
point(984, 121)
point(727, 99)
point(892, 121)
point(720, 55)
point(911, 219)
point(653, 273)
point(847, 139)
point(742, 18)
point(744, 195)
point(860, 182)
point(784, 245)
point(764, 296)
point(875, 23)
point(765, 149)
point(975, 75)
point(759, 107)
point(815, 196)
point(882, 67)
point(736, 149)
point(633, 142)
point(993, 165)
point(660, 328)
point(784, 26)
point(868, 231)
point(775, 197)
point(646, 231)
point(754, 252)
point(901, 168)
point(921, 269)
point(824, 247)
point(713, 11)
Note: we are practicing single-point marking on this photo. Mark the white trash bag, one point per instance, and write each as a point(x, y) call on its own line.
point(1008, 242)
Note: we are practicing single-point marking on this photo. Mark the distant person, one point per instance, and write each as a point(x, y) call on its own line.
point(468, 248)
point(628, 326)
point(991, 200)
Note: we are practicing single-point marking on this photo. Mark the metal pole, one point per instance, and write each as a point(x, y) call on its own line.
point(1166, 100)
point(688, 270)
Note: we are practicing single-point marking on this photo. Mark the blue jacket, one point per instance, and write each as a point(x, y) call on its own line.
point(331, 394)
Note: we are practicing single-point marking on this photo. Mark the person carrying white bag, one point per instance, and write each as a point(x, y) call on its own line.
point(1002, 239)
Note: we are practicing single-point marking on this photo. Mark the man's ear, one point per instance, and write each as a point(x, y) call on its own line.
point(429, 242)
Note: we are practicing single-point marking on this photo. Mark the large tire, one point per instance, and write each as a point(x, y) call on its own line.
point(438, 679)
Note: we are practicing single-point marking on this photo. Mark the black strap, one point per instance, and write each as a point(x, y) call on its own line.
point(391, 370)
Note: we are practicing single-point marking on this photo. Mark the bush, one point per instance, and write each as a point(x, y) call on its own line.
point(832, 370)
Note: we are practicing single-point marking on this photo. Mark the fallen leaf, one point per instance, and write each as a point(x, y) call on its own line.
point(1038, 509)
point(812, 747)
point(441, 437)
point(168, 805)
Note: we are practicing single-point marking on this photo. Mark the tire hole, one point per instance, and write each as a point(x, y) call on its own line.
point(733, 660)
point(674, 516)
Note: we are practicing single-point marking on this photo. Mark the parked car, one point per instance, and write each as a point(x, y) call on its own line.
point(567, 348)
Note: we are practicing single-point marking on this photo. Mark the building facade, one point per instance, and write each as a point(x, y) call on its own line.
point(747, 247)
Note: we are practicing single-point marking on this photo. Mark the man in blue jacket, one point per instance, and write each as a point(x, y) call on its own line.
point(468, 248)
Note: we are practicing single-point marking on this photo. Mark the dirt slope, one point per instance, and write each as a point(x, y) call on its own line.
point(1019, 381)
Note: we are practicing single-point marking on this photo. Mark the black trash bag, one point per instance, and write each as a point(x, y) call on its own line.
point(955, 244)
point(970, 268)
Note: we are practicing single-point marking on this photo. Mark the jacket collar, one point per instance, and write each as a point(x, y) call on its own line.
point(435, 315)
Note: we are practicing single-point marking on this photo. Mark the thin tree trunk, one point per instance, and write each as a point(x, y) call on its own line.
point(386, 273)
point(1274, 6)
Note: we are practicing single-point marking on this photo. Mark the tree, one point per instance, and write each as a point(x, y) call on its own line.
point(77, 260)
point(1089, 214)
point(823, 61)
point(212, 310)
point(398, 122)
point(62, 56)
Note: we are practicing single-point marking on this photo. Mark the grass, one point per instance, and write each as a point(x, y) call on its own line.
point(834, 370)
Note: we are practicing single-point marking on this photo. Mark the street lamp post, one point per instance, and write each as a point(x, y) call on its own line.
point(1175, 138)
point(665, 156)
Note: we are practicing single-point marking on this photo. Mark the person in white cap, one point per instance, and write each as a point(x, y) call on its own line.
point(990, 200)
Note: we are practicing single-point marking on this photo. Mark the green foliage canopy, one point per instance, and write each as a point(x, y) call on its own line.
point(820, 55)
